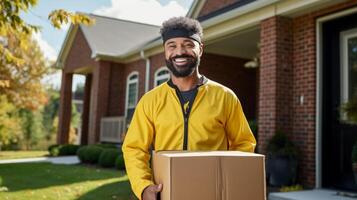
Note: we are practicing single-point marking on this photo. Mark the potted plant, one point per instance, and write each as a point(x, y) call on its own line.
point(281, 160)
point(350, 110)
point(354, 160)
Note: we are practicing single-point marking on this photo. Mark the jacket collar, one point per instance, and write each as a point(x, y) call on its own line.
point(204, 81)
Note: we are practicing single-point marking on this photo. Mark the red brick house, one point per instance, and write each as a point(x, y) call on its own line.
point(307, 52)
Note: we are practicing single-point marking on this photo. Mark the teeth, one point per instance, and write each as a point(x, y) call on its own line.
point(180, 59)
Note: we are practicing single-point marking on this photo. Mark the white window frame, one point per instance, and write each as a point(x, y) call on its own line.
point(162, 77)
point(344, 96)
point(128, 82)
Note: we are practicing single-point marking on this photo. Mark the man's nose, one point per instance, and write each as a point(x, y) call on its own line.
point(180, 50)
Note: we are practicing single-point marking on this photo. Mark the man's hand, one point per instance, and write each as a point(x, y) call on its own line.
point(151, 191)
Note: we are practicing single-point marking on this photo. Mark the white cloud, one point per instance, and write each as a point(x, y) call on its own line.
point(48, 51)
point(145, 11)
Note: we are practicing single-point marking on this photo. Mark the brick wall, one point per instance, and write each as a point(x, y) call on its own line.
point(230, 72)
point(79, 55)
point(213, 5)
point(156, 61)
point(99, 99)
point(116, 91)
point(305, 86)
point(64, 119)
point(275, 97)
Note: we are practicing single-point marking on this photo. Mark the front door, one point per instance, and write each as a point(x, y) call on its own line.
point(339, 78)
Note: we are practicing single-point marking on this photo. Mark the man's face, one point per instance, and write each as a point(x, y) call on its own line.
point(182, 56)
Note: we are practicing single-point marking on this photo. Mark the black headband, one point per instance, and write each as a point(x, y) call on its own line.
point(181, 32)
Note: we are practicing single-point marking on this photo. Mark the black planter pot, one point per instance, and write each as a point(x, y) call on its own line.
point(281, 170)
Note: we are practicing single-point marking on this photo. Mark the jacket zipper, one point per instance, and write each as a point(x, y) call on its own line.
point(186, 115)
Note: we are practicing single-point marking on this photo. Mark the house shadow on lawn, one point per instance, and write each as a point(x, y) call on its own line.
point(27, 176)
point(119, 190)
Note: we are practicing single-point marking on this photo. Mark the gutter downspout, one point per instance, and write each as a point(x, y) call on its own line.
point(147, 68)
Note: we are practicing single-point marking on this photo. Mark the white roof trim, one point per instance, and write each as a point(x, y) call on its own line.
point(195, 8)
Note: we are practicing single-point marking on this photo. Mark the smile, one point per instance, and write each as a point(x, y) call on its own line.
point(181, 61)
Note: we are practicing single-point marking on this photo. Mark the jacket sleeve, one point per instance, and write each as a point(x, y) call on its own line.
point(136, 150)
point(240, 136)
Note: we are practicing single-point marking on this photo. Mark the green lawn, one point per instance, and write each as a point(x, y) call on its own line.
point(34, 181)
point(5, 155)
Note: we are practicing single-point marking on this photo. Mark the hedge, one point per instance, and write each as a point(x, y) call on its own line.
point(89, 154)
point(63, 150)
point(107, 157)
point(119, 162)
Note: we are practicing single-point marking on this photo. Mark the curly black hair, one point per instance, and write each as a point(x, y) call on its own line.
point(191, 25)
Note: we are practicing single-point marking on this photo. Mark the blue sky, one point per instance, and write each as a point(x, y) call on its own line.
point(51, 39)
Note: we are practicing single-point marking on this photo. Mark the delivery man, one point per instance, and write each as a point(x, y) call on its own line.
point(189, 112)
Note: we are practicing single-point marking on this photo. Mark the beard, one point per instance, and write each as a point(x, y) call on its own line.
point(183, 70)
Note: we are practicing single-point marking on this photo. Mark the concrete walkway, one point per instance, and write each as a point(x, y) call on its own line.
point(316, 194)
point(68, 160)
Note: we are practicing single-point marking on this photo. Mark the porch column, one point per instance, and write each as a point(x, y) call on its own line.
point(65, 108)
point(276, 76)
point(99, 99)
point(86, 107)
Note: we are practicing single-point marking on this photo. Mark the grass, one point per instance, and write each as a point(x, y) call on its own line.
point(6, 155)
point(35, 181)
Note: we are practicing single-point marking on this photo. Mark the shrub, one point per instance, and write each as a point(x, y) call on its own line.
point(107, 146)
point(107, 157)
point(89, 154)
point(119, 162)
point(68, 149)
point(280, 145)
point(53, 150)
point(63, 150)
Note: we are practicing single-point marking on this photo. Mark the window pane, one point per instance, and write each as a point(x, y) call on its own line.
point(132, 94)
point(352, 67)
point(135, 76)
point(129, 116)
point(160, 81)
point(163, 72)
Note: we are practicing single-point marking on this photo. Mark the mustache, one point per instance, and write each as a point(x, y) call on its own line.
point(182, 56)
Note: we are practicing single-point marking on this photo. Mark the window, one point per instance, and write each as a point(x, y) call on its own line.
point(349, 66)
point(161, 75)
point(132, 86)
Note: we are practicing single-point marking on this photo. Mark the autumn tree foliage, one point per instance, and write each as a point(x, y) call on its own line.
point(22, 67)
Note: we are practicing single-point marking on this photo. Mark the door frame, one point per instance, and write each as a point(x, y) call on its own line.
point(319, 87)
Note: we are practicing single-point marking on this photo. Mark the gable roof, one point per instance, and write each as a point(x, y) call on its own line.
point(110, 36)
point(114, 37)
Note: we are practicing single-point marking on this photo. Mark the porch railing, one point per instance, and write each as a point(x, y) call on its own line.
point(112, 129)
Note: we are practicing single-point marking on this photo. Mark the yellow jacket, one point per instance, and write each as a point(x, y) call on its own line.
point(216, 122)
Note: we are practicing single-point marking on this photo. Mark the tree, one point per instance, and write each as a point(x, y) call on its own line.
point(22, 64)
point(10, 19)
point(25, 89)
point(50, 116)
point(10, 131)
point(32, 130)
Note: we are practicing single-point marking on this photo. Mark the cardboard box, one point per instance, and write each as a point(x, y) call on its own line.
point(213, 175)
